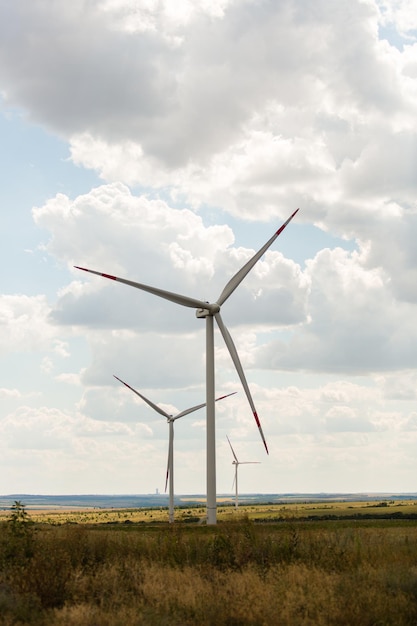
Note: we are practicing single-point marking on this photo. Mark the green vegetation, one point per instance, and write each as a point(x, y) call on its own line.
point(238, 573)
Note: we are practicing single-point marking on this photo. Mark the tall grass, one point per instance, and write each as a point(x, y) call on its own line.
point(236, 573)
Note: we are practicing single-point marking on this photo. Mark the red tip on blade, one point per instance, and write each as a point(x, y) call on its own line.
point(287, 222)
point(258, 423)
point(123, 382)
point(84, 269)
point(255, 415)
point(226, 396)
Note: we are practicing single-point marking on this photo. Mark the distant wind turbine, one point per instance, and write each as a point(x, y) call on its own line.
point(236, 463)
point(209, 310)
point(170, 420)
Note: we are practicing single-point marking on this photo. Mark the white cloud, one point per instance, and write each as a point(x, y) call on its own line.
point(355, 323)
point(57, 450)
point(36, 429)
point(9, 393)
point(69, 378)
point(401, 14)
point(239, 111)
point(148, 241)
point(238, 104)
point(402, 385)
point(24, 325)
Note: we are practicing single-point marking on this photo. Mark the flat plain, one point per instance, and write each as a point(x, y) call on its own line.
point(305, 563)
point(288, 511)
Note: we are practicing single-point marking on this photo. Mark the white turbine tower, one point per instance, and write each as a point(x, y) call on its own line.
point(170, 420)
point(236, 463)
point(209, 310)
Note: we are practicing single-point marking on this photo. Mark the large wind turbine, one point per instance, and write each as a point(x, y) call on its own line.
point(236, 463)
point(170, 420)
point(209, 310)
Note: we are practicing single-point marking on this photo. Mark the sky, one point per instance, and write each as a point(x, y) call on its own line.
point(165, 142)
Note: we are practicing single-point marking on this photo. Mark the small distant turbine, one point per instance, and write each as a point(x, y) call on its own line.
point(236, 463)
point(208, 311)
point(170, 420)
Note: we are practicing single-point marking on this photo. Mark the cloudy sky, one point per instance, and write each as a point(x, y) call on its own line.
point(165, 142)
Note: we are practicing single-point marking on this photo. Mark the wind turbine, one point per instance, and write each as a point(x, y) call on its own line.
point(170, 420)
point(236, 463)
point(209, 310)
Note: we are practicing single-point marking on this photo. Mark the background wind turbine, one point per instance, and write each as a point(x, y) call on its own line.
point(209, 310)
point(236, 463)
point(170, 420)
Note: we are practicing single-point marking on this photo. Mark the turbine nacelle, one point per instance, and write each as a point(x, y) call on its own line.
point(211, 310)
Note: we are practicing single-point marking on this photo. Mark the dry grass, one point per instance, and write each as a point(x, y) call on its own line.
point(236, 574)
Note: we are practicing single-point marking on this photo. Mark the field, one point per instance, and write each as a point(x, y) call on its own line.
point(339, 563)
point(226, 512)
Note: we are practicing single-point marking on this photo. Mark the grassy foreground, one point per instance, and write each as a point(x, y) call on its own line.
point(238, 573)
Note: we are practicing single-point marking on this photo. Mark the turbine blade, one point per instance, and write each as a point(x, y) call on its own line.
point(187, 411)
point(226, 396)
point(151, 404)
point(240, 275)
point(169, 462)
point(167, 476)
point(167, 295)
point(200, 406)
point(233, 452)
point(235, 358)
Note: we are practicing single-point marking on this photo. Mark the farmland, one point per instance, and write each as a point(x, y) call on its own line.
point(192, 512)
point(305, 563)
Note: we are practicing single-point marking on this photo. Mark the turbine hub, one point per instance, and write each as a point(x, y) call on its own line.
point(211, 309)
